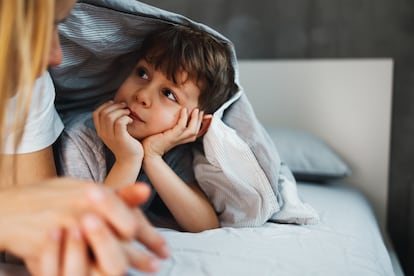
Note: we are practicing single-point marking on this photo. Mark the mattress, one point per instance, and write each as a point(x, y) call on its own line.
point(347, 241)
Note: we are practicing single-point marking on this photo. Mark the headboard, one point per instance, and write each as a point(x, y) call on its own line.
point(346, 102)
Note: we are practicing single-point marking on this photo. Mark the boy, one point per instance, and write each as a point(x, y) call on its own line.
point(182, 76)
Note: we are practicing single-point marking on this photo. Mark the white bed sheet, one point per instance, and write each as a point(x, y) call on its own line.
point(347, 241)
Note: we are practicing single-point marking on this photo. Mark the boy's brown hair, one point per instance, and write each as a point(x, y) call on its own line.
point(205, 58)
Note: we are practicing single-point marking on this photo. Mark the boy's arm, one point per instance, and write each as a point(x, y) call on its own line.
point(123, 173)
point(186, 201)
point(111, 120)
point(188, 204)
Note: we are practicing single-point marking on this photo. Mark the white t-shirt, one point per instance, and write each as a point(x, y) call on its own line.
point(43, 124)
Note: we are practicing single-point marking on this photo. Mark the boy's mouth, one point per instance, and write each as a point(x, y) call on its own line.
point(134, 116)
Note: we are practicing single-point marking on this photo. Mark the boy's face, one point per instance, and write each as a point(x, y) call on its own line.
point(154, 101)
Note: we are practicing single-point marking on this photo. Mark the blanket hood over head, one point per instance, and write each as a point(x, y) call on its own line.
point(240, 170)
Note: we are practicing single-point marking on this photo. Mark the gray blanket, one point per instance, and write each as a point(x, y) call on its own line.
point(240, 170)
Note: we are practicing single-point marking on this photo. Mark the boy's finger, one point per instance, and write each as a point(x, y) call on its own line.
point(103, 106)
point(194, 118)
point(182, 120)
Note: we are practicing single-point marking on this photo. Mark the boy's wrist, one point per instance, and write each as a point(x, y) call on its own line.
point(129, 158)
point(129, 162)
point(151, 159)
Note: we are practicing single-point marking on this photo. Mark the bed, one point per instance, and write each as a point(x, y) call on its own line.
point(348, 239)
point(331, 177)
point(315, 134)
point(349, 244)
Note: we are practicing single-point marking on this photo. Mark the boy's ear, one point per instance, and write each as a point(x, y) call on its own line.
point(205, 124)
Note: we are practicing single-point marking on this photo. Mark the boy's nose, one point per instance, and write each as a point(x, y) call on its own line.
point(143, 97)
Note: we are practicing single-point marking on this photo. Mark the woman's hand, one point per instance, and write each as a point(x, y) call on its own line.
point(54, 226)
point(186, 130)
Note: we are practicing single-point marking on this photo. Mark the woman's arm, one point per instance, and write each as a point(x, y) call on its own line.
point(29, 168)
point(188, 204)
point(34, 158)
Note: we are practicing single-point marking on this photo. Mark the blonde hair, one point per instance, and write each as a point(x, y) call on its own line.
point(25, 39)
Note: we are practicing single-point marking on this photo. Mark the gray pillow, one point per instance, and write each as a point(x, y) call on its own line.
point(307, 155)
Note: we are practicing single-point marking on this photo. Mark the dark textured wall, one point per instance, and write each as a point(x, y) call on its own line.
point(333, 29)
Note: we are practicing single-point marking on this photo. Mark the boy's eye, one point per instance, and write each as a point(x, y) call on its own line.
point(169, 94)
point(142, 73)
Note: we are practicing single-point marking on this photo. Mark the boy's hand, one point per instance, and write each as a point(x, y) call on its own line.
point(185, 131)
point(111, 120)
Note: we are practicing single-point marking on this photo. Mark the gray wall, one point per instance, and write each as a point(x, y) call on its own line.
point(333, 29)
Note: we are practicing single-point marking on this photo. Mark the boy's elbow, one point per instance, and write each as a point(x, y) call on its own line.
point(213, 224)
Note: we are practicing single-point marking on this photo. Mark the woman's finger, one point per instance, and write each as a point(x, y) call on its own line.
point(141, 260)
point(107, 251)
point(135, 195)
point(75, 258)
point(149, 237)
point(114, 211)
point(50, 257)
